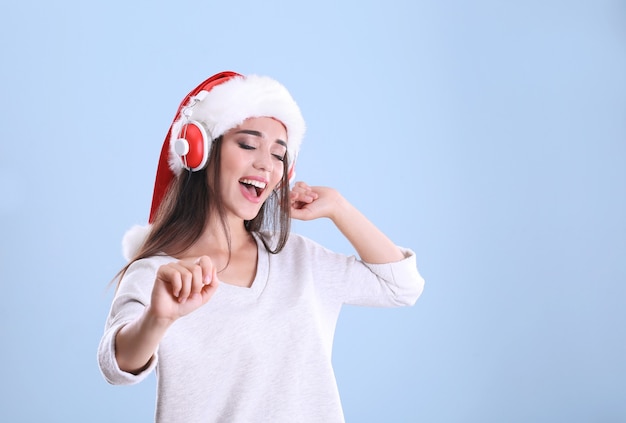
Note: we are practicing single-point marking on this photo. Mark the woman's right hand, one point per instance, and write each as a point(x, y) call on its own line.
point(182, 287)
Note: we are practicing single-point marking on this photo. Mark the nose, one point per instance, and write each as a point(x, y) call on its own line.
point(263, 161)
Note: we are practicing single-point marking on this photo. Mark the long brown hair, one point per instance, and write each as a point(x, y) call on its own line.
point(194, 197)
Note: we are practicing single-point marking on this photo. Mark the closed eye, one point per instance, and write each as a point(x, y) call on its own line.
point(246, 146)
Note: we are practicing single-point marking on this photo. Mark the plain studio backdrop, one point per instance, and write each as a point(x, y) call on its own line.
point(488, 136)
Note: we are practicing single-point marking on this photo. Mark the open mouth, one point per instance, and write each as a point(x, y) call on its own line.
point(255, 188)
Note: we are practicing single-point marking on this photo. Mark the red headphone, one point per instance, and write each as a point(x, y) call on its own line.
point(192, 144)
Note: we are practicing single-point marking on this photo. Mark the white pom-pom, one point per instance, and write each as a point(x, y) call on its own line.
point(133, 239)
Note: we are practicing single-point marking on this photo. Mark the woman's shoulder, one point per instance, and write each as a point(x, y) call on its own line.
point(300, 245)
point(148, 265)
point(140, 274)
point(299, 239)
point(295, 241)
point(151, 262)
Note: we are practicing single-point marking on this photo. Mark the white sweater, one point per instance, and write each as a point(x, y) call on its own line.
point(258, 354)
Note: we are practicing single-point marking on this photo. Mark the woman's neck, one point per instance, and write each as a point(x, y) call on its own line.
point(219, 240)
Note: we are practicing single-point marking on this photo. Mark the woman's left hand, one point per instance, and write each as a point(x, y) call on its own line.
point(371, 244)
point(308, 203)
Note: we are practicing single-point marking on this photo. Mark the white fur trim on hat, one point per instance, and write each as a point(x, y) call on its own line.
point(228, 104)
point(133, 240)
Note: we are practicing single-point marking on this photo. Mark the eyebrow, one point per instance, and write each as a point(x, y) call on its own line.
point(260, 135)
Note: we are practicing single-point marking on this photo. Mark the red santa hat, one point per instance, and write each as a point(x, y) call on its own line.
point(217, 105)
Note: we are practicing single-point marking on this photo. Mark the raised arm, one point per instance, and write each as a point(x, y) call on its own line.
point(372, 245)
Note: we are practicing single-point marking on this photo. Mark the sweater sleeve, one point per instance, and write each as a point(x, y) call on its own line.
point(131, 298)
point(385, 285)
point(349, 280)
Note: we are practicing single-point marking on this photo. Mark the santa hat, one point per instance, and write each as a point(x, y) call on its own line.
point(217, 105)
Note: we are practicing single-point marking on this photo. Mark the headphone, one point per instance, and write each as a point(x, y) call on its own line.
point(192, 143)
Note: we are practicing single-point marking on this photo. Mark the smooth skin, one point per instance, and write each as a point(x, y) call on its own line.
point(255, 148)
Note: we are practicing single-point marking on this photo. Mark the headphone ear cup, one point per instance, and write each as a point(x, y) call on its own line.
point(193, 146)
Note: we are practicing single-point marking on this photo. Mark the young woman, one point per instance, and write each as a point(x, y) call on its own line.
point(236, 315)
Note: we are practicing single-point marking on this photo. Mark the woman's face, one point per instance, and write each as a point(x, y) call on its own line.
point(252, 158)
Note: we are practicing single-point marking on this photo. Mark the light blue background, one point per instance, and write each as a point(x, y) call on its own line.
point(488, 136)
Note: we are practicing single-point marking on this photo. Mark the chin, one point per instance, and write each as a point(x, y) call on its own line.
point(250, 216)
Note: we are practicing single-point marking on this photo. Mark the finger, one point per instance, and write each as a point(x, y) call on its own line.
point(209, 290)
point(206, 265)
point(299, 187)
point(310, 192)
point(196, 279)
point(300, 184)
point(170, 276)
point(304, 196)
point(186, 277)
point(214, 282)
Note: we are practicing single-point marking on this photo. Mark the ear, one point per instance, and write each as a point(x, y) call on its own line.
point(291, 175)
